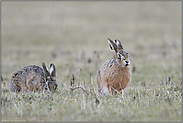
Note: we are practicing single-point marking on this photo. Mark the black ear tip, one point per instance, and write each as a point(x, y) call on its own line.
point(43, 64)
point(52, 65)
point(109, 39)
point(118, 41)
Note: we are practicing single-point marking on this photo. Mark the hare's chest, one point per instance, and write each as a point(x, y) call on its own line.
point(118, 78)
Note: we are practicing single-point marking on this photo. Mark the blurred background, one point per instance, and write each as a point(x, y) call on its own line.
point(73, 35)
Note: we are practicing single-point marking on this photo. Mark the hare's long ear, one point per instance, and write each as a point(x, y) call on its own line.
point(52, 70)
point(112, 45)
point(45, 70)
point(119, 45)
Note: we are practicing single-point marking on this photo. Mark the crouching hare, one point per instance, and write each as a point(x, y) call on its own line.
point(34, 78)
point(115, 74)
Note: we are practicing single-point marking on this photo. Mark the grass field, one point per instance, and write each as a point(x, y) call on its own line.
point(73, 35)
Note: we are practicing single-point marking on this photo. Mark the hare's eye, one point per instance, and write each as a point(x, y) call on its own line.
point(119, 55)
point(122, 57)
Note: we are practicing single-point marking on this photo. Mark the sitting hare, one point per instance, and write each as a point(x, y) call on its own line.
point(34, 78)
point(115, 74)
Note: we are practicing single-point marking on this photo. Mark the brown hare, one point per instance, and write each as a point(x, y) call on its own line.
point(115, 74)
point(34, 78)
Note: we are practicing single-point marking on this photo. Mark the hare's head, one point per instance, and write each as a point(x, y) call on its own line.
point(50, 77)
point(120, 55)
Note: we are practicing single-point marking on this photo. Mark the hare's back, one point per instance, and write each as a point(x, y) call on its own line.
point(34, 73)
point(33, 70)
point(28, 72)
point(108, 66)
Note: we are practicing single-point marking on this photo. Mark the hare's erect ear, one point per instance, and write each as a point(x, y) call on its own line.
point(45, 70)
point(119, 45)
point(52, 70)
point(112, 45)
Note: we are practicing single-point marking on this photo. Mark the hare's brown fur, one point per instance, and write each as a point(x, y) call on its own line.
point(113, 76)
point(30, 78)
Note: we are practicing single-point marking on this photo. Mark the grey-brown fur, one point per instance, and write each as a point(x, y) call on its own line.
point(33, 78)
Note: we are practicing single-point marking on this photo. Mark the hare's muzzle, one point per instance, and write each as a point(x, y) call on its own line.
point(52, 85)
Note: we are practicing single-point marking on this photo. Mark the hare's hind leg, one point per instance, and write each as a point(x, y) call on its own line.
point(13, 87)
point(19, 79)
point(21, 84)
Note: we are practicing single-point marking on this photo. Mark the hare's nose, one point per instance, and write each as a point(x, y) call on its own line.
point(46, 88)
